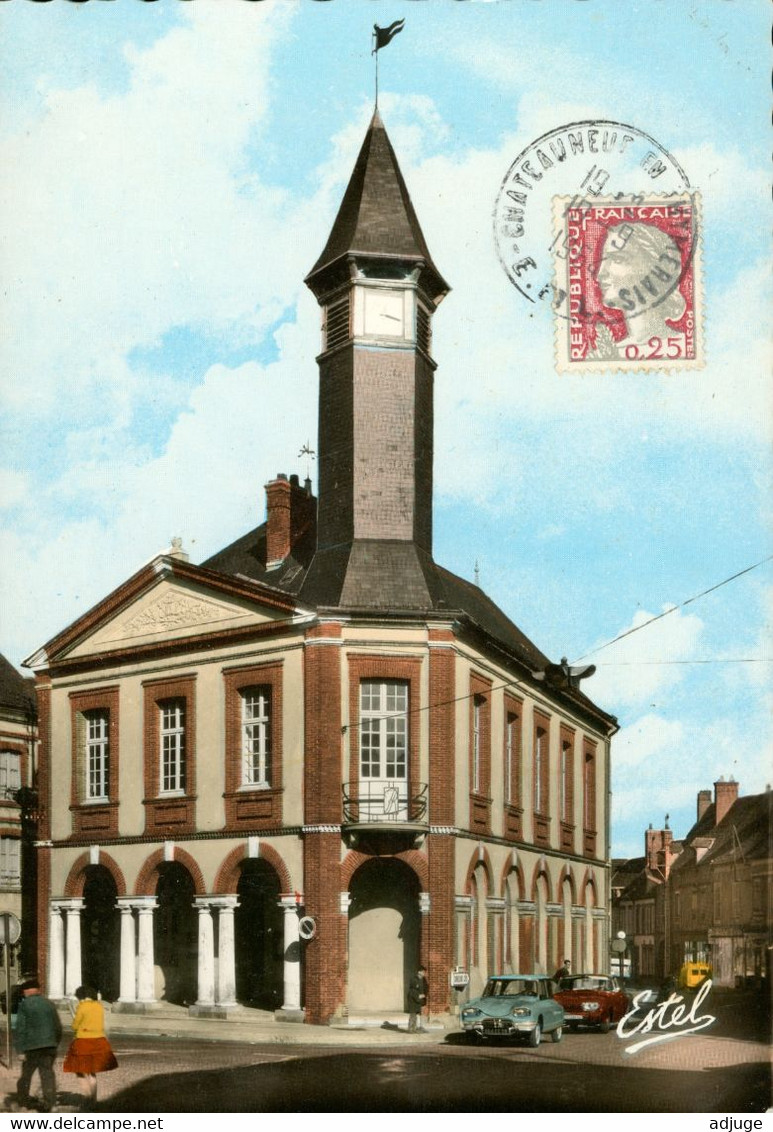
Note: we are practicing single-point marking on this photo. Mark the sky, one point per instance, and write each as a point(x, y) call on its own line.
point(176, 168)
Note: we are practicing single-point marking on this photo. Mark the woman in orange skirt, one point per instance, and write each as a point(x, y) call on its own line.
point(90, 1052)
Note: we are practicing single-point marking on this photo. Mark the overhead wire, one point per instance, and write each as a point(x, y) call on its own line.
point(606, 664)
point(674, 608)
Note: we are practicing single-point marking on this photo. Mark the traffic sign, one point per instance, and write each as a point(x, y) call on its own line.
point(10, 928)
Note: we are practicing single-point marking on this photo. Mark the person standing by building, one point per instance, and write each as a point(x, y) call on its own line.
point(90, 1052)
point(418, 989)
point(563, 972)
point(37, 1036)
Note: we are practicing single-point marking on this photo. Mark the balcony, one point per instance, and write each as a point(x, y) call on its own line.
point(384, 810)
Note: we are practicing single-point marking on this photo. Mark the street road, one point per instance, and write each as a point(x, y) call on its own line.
point(726, 1071)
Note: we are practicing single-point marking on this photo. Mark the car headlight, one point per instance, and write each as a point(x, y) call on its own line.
point(520, 1011)
point(470, 1013)
point(590, 1006)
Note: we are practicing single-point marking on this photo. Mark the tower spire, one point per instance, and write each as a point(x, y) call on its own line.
point(378, 288)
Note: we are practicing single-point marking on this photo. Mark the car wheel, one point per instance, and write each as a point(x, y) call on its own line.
point(557, 1034)
point(535, 1037)
point(604, 1027)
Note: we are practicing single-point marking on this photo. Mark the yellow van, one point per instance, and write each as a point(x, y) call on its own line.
point(692, 975)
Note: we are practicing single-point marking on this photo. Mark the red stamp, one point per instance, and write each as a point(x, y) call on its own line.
point(631, 272)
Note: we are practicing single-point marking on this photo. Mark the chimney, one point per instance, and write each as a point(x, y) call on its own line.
point(704, 801)
point(290, 509)
point(657, 844)
point(725, 794)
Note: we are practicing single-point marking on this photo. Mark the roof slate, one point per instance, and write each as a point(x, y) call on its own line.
point(744, 833)
point(373, 576)
point(16, 691)
point(376, 216)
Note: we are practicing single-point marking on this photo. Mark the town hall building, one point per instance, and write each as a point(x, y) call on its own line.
point(281, 779)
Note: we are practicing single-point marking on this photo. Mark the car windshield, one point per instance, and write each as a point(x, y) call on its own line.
point(495, 988)
point(585, 983)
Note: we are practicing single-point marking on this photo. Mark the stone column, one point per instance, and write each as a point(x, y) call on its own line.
point(56, 953)
point(146, 988)
point(206, 973)
point(226, 953)
point(72, 956)
point(128, 985)
point(292, 957)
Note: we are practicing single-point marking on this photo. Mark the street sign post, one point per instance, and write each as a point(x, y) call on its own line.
point(10, 930)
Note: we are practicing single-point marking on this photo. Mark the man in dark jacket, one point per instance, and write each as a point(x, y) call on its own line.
point(563, 972)
point(38, 1032)
point(418, 989)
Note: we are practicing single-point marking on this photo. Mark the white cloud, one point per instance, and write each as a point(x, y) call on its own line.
point(135, 213)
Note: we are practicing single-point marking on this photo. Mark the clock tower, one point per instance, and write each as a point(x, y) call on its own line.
point(378, 290)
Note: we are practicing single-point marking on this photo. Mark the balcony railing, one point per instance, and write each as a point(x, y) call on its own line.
point(385, 804)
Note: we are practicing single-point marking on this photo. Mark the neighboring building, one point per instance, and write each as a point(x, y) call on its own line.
point(708, 897)
point(18, 741)
point(638, 901)
point(720, 890)
point(283, 777)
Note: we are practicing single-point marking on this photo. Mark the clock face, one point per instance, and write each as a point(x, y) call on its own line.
point(385, 313)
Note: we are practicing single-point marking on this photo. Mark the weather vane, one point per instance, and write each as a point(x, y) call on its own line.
point(309, 453)
point(381, 37)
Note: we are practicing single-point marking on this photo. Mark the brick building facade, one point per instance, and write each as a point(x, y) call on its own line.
point(283, 777)
point(707, 897)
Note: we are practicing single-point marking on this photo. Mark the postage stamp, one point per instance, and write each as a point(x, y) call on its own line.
point(585, 169)
point(630, 271)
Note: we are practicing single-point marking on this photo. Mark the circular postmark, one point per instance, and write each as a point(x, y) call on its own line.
point(581, 162)
point(597, 222)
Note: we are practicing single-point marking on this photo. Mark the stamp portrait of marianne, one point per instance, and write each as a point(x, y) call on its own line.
point(631, 271)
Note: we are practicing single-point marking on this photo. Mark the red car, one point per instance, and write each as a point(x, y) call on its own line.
point(591, 1000)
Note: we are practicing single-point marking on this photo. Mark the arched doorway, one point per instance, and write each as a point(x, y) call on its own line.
point(590, 941)
point(259, 936)
point(512, 943)
point(100, 931)
point(175, 934)
point(479, 931)
point(566, 900)
point(384, 935)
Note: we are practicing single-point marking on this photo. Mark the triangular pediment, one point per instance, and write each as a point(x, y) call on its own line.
point(173, 609)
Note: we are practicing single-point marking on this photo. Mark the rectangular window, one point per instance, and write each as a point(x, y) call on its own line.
point(10, 771)
point(567, 779)
point(589, 810)
point(383, 729)
point(172, 718)
point(540, 769)
point(94, 721)
point(757, 895)
point(10, 862)
point(253, 746)
point(477, 720)
point(512, 757)
point(256, 736)
point(97, 755)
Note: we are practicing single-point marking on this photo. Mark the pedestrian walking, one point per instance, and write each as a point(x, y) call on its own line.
point(418, 988)
point(37, 1035)
point(90, 1052)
